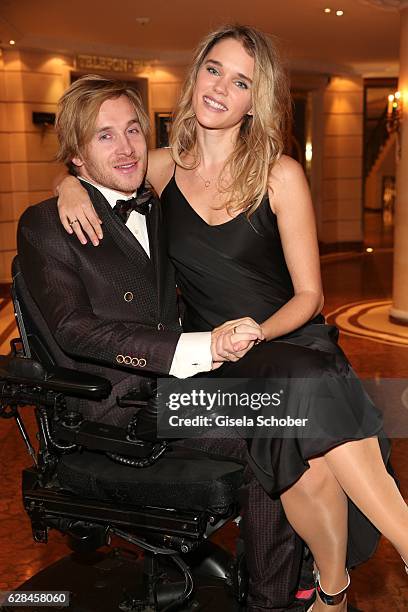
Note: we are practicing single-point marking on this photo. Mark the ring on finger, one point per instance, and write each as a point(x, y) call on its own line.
point(71, 223)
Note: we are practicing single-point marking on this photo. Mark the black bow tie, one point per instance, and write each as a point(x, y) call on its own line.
point(140, 204)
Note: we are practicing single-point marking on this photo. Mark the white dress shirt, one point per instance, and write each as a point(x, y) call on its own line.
point(193, 350)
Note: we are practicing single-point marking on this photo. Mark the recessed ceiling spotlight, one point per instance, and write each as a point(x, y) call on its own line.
point(142, 20)
point(327, 10)
point(339, 13)
point(12, 42)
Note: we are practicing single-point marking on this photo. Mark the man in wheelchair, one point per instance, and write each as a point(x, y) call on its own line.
point(111, 312)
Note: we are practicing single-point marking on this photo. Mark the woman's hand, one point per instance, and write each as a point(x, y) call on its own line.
point(76, 211)
point(233, 339)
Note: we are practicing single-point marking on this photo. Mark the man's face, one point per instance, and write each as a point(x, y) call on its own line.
point(116, 155)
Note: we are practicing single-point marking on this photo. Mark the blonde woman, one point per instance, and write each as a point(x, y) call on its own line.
point(241, 234)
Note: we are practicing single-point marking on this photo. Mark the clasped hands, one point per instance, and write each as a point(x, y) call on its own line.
point(233, 339)
point(229, 342)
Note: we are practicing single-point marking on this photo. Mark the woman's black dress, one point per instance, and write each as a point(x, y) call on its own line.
point(238, 269)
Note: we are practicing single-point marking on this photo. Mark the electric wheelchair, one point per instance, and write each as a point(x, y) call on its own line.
point(92, 481)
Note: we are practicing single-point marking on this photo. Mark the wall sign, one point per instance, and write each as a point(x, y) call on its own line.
point(111, 64)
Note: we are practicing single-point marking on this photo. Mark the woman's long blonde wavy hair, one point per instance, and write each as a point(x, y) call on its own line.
point(261, 137)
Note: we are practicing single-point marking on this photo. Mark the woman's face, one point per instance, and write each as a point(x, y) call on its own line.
point(223, 91)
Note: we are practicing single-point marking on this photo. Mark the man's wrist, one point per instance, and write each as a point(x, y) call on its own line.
point(193, 355)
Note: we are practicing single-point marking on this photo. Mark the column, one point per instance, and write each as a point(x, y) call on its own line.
point(399, 309)
point(341, 210)
point(29, 81)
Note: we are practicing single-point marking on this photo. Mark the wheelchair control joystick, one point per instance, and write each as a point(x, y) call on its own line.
point(72, 419)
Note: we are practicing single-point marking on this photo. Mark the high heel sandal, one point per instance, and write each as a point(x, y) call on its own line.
point(331, 599)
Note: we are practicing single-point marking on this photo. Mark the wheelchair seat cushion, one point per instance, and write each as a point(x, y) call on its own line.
point(181, 479)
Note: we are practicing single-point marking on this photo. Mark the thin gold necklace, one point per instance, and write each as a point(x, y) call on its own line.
point(207, 182)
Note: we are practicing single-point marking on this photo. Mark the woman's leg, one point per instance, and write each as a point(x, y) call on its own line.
point(316, 507)
point(359, 468)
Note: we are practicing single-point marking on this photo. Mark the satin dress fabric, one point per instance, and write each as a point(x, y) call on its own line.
point(237, 269)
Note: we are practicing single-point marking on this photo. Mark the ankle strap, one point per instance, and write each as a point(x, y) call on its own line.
point(332, 599)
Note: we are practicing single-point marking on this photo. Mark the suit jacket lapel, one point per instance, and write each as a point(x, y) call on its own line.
point(156, 248)
point(122, 236)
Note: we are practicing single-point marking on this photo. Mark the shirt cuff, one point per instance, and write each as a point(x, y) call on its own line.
point(192, 355)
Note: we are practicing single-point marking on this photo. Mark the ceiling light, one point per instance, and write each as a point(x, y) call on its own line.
point(327, 10)
point(339, 13)
point(369, 250)
point(142, 20)
point(12, 42)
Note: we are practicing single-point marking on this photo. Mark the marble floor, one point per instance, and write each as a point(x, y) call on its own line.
point(381, 585)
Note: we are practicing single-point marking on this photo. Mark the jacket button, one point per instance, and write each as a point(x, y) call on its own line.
point(160, 326)
point(120, 358)
point(127, 360)
point(142, 362)
point(128, 297)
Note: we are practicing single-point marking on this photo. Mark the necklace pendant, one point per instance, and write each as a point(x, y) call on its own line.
point(207, 184)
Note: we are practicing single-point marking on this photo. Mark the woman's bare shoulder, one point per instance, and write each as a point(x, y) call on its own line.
point(162, 155)
point(287, 182)
point(286, 169)
point(160, 168)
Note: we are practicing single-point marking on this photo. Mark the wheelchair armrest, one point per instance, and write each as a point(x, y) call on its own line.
point(24, 371)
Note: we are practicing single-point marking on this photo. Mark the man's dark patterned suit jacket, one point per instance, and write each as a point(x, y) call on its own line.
point(111, 309)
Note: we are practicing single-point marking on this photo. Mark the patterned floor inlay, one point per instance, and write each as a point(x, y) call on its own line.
point(369, 319)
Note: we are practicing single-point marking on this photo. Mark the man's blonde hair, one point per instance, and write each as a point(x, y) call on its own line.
point(261, 138)
point(78, 110)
